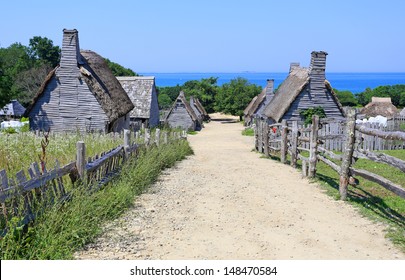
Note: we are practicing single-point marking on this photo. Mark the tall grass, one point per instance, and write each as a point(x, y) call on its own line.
point(65, 228)
point(18, 151)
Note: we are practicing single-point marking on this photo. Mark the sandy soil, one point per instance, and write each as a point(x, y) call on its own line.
point(226, 202)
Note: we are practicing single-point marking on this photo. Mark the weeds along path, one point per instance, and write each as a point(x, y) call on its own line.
point(226, 202)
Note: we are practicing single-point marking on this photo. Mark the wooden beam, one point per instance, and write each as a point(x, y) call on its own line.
point(387, 135)
point(397, 189)
point(381, 157)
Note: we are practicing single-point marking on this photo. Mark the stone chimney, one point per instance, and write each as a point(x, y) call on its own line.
point(70, 53)
point(317, 71)
point(270, 87)
point(294, 65)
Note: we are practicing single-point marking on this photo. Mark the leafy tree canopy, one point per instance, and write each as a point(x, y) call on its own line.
point(396, 92)
point(119, 70)
point(346, 97)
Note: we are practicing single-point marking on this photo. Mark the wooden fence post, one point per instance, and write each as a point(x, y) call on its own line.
point(266, 138)
point(81, 159)
point(165, 139)
point(260, 138)
point(284, 147)
point(313, 146)
point(347, 153)
point(147, 137)
point(127, 140)
point(157, 137)
point(294, 143)
point(256, 134)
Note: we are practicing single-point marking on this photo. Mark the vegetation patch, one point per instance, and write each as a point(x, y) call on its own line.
point(248, 132)
point(67, 227)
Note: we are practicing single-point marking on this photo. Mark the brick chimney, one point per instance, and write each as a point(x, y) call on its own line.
point(317, 71)
point(294, 65)
point(270, 87)
point(70, 53)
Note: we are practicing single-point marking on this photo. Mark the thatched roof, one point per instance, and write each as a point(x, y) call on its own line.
point(250, 105)
point(102, 83)
point(105, 87)
point(402, 113)
point(380, 106)
point(139, 90)
point(200, 107)
point(14, 108)
point(287, 92)
point(265, 96)
point(189, 110)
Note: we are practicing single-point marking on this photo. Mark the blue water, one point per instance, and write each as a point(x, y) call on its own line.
point(354, 82)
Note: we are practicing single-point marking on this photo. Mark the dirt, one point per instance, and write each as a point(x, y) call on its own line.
point(227, 202)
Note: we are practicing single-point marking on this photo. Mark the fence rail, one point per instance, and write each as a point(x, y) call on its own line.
point(22, 197)
point(322, 140)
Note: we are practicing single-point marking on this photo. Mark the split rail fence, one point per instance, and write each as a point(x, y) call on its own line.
point(323, 138)
point(23, 196)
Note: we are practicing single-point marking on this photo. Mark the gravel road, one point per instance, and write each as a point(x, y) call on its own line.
point(226, 202)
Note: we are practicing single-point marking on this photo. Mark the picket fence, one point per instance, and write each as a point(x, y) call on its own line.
point(21, 198)
point(322, 139)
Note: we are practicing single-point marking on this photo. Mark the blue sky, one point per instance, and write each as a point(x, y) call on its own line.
point(220, 35)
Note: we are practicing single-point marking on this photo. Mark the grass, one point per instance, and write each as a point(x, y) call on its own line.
point(248, 132)
point(18, 151)
point(67, 227)
point(372, 200)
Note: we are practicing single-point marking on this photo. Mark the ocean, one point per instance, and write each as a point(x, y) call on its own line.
point(354, 82)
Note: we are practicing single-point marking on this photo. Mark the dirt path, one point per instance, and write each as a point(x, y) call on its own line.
point(211, 206)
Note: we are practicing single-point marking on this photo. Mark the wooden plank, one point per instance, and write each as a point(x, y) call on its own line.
point(294, 143)
point(397, 189)
point(313, 146)
point(381, 157)
point(330, 153)
point(389, 135)
point(284, 147)
point(266, 138)
point(348, 153)
point(329, 163)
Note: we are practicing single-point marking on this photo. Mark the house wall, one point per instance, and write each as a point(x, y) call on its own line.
point(307, 100)
point(67, 105)
point(179, 118)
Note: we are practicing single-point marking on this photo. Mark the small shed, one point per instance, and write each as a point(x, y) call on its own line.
point(181, 115)
point(380, 106)
point(81, 94)
point(12, 110)
point(304, 88)
point(258, 103)
point(142, 92)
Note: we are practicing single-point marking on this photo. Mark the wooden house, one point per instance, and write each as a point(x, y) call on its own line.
point(258, 103)
point(380, 106)
point(12, 110)
point(142, 92)
point(197, 111)
point(201, 108)
point(304, 88)
point(80, 94)
point(181, 115)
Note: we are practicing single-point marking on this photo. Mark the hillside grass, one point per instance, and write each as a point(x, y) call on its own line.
point(371, 200)
point(67, 227)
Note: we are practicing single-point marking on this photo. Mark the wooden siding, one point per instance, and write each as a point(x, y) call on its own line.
point(306, 100)
point(180, 118)
point(67, 105)
point(142, 92)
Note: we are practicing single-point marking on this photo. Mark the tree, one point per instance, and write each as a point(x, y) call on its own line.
point(42, 51)
point(205, 90)
point(164, 101)
point(346, 97)
point(233, 97)
point(394, 92)
point(119, 70)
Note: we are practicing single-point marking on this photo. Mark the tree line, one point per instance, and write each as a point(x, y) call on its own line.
point(24, 68)
point(229, 98)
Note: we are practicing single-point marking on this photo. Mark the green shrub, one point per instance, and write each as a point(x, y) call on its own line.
point(308, 113)
point(248, 132)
